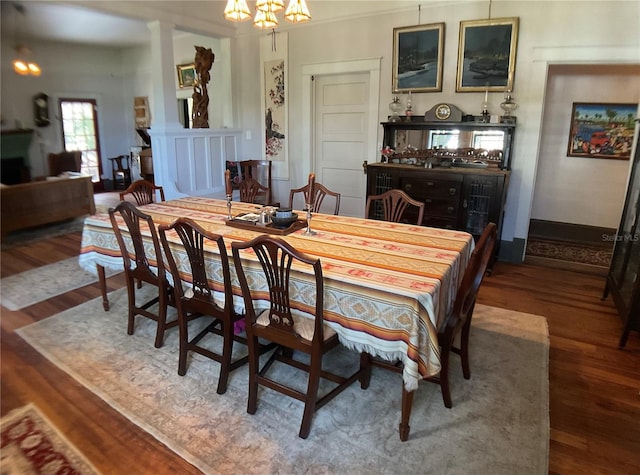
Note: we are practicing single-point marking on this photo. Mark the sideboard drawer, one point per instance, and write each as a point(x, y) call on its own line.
point(441, 207)
point(440, 222)
point(420, 188)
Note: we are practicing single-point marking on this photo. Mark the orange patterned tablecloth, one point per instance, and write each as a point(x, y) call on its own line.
point(388, 286)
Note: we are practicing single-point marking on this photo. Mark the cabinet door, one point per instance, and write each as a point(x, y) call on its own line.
point(377, 183)
point(481, 203)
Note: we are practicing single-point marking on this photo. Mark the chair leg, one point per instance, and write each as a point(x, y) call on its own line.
point(225, 362)
point(183, 332)
point(464, 349)
point(162, 317)
point(254, 353)
point(407, 402)
point(365, 370)
point(312, 396)
point(131, 293)
point(445, 351)
point(102, 279)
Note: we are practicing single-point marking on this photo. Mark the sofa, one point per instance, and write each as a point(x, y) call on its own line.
point(43, 202)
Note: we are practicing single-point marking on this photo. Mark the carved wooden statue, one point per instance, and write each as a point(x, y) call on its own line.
point(203, 62)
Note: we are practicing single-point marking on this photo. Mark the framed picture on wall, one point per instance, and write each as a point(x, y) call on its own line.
point(186, 75)
point(487, 55)
point(417, 58)
point(602, 130)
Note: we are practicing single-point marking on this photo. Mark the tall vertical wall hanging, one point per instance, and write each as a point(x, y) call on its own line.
point(274, 77)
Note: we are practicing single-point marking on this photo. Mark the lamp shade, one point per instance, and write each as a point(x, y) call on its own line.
point(297, 12)
point(23, 64)
point(237, 10)
point(265, 19)
point(270, 5)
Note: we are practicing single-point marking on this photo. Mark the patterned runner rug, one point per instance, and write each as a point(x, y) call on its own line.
point(32, 446)
point(36, 285)
point(595, 255)
point(499, 422)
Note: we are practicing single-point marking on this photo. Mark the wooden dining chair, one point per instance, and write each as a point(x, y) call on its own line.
point(144, 192)
point(259, 170)
point(320, 192)
point(197, 302)
point(284, 323)
point(250, 189)
point(138, 267)
point(67, 161)
point(457, 322)
point(121, 171)
point(394, 203)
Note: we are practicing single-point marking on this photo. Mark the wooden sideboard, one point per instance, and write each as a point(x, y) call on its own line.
point(435, 163)
point(463, 199)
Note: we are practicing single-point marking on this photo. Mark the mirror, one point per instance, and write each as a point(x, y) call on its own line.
point(449, 138)
point(185, 108)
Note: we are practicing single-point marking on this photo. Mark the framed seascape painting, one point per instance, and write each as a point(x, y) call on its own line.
point(602, 130)
point(417, 58)
point(186, 75)
point(487, 55)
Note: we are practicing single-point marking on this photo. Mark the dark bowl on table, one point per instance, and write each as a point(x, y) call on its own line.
point(284, 222)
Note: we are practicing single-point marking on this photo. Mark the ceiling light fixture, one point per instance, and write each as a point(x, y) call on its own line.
point(265, 18)
point(22, 61)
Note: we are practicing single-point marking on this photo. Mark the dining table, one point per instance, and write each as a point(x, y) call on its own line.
point(388, 286)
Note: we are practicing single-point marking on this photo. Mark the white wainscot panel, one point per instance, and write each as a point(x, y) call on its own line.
point(200, 159)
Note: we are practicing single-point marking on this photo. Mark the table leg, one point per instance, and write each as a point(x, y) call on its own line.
point(103, 287)
point(365, 370)
point(407, 401)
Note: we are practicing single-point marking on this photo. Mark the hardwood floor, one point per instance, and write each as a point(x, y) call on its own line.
point(594, 386)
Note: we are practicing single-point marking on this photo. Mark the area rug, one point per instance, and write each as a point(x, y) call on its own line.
point(591, 254)
point(499, 423)
point(42, 283)
point(32, 446)
point(29, 236)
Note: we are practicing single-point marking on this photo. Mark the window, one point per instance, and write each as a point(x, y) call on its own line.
point(80, 132)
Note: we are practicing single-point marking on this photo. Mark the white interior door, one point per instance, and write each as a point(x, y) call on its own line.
point(341, 136)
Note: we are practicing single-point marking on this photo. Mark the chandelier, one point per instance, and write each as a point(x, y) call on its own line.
point(265, 17)
point(22, 62)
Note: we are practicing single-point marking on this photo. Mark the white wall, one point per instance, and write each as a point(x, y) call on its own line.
point(550, 32)
point(112, 76)
point(579, 190)
point(68, 71)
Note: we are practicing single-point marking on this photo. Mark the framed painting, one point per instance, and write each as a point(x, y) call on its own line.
point(186, 75)
point(417, 58)
point(602, 130)
point(487, 55)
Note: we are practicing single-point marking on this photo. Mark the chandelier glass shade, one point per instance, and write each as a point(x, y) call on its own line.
point(265, 18)
point(297, 12)
point(23, 63)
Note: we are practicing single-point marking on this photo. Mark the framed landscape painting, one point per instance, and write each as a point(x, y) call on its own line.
point(186, 75)
point(487, 55)
point(417, 58)
point(602, 130)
